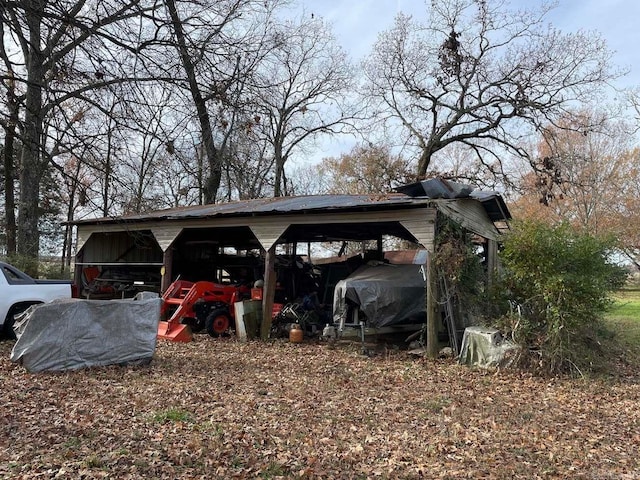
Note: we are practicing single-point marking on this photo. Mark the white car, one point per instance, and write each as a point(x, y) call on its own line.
point(18, 291)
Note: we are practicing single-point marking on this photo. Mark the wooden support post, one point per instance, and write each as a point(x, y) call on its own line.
point(77, 273)
point(432, 308)
point(492, 260)
point(167, 262)
point(294, 285)
point(268, 292)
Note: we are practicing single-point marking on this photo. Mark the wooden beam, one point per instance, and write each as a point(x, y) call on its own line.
point(492, 260)
point(167, 263)
point(432, 308)
point(77, 273)
point(268, 292)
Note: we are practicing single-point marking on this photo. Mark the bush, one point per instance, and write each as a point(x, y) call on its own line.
point(28, 265)
point(559, 283)
point(37, 268)
point(53, 270)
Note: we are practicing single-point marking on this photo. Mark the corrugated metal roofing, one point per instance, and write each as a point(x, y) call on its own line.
point(491, 202)
point(265, 206)
point(443, 188)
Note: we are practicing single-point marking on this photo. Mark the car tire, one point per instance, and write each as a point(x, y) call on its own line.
point(7, 326)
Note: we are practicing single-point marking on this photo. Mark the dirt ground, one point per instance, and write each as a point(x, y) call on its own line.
point(222, 409)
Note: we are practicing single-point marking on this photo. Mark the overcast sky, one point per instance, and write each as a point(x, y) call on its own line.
point(356, 23)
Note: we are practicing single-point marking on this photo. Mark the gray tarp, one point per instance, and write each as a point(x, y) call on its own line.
point(387, 294)
point(486, 347)
point(71, 334)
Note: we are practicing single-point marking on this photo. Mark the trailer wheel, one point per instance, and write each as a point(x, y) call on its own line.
point(217, 322)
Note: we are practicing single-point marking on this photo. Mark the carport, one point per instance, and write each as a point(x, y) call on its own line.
point(161, 242)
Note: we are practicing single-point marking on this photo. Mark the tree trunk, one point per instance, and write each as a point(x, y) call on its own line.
point(424, 162)
point(200, 176)
point(65, 264)
point(212, 182)
point(9, 172)
point(107, 166)
point(215, 162)
point(277, 191)
point(68, 230)
point(279, 188)
point(32, 168)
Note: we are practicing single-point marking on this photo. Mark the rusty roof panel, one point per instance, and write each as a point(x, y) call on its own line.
point(263, 206)
point(491, 201)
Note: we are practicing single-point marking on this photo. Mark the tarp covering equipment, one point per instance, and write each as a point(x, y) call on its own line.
point(71, 334)
point(387, 294)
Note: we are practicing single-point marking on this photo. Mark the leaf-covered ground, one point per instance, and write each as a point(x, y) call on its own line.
point(222, 409)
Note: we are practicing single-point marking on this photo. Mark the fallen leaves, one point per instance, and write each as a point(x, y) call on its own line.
point(222, 409)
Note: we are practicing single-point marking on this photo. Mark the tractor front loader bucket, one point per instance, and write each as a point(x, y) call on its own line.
point(174, 332)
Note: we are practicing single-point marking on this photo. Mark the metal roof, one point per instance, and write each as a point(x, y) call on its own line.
point(443, 188)
point(270, 206)
point(492, 202)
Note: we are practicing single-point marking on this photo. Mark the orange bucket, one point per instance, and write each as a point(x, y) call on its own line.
point(174, 332)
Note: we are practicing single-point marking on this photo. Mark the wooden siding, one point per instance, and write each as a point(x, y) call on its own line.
point(268, 229)
point(166, 228)
point(121, 248)
point(269, 234)
point(165, 235)
point(421, 225)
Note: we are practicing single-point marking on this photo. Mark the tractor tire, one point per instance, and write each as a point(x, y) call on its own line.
point(218, 322)
point(197, 325)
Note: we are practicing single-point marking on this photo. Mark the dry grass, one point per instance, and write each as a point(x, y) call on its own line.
point(221, 409)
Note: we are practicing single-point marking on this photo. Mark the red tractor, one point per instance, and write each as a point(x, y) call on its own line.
point(198, 305)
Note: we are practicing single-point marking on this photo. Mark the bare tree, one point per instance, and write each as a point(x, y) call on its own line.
point(302, 90)
point(249, 168)
point(9, 123)
point(219, 44)
point(8, 155)
point(64, 49)
point(188, 63)
point(482, 76)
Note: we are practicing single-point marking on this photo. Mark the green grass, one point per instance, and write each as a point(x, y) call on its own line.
point(624, 317)
point(627, 304)
point(172, 415)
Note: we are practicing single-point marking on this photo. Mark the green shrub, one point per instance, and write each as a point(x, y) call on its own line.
point(457, 260)
point(559, 282)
